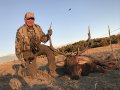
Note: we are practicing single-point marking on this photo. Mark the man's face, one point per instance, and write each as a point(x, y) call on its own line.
point(29, 21)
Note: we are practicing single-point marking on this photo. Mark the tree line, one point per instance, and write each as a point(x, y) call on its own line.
point(97, 42)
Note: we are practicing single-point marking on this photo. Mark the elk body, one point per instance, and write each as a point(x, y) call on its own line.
point(76, 66)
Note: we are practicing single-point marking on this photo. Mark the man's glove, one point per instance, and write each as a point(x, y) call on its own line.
point(50, 32)
point(34, 48)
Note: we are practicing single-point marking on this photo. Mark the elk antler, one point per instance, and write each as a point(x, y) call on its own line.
point(51, 45)
point(88, 40)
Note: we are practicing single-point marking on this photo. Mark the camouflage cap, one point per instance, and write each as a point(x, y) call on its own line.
point(29, 15)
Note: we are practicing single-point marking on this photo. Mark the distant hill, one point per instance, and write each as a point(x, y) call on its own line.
point(8, 58)
point(93, 43)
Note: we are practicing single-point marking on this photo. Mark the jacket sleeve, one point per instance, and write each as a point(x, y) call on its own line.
point(44, 37)
point(18, 45)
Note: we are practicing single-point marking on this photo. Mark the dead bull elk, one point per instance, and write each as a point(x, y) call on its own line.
point(76, 66)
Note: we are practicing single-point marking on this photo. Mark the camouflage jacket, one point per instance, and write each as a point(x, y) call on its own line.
point(23, 38)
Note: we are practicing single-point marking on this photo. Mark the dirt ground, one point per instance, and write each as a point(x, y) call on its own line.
point(109, 80)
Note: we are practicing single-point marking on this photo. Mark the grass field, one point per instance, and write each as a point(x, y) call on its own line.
point(95, 81)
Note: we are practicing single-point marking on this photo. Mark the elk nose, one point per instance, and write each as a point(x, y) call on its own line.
point(75, 77)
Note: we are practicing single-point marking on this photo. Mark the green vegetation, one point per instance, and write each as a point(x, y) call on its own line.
point(98, 42)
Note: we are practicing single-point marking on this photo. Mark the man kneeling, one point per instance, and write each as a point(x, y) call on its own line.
point(28, 44)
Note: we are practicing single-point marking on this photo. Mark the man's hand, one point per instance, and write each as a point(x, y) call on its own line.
point(50, 32)
point(34, 48)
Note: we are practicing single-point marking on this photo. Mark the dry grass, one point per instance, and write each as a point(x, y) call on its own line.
point(103, 49)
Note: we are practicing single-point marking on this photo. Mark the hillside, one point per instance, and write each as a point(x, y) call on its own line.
point(93, 43)
point(8, 58)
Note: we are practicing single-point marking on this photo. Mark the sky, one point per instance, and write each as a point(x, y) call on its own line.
point(68, 25)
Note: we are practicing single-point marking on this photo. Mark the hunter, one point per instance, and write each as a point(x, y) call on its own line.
point(28, 44)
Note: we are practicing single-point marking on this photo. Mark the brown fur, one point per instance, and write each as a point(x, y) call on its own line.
point(81, 65)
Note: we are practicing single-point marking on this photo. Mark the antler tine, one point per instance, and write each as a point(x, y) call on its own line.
point(88, 40)
point(77, 52)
